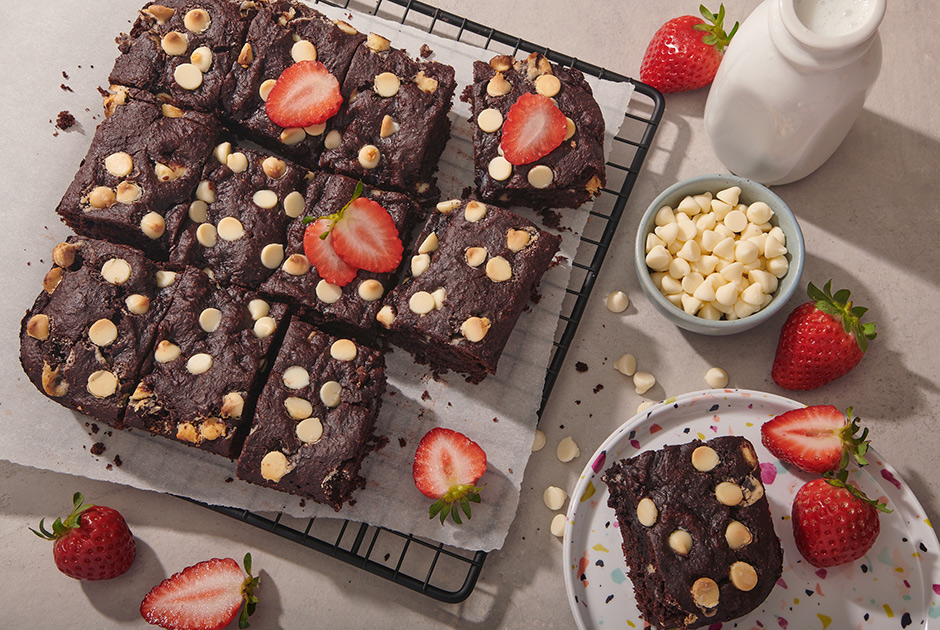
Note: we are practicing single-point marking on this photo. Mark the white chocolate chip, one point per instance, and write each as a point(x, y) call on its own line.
point(421, 303)
point(490, 120)
point(570, 128)
point(680, 541)
point(102, 384)
point(387, 84)
point(385, 316)
point(643, 382)
point(475, 211)
point(540, 176)
point(128, 193)
point(343, 350)
point(166, 351)
point(205, 191)
point(292, 135)
point(199, 363)
point(332, 140)
point(499, 168)
point(101, 197)
point(272, 255)
point(554, 497)
point(558, 525)
point(197, 20)
point(743, 576)
point(274, 466)
point(264, 327)
point(377, 43)
point(439, 295)
point(425, 83)
point(119, 164)
point(198, 211)
point(658, 258)
point(266, 199)
point(716, 378)
point(168, 173)
point(295, 377)
point(303, 50)
point(567, 450)
point(328, 293)
point(617, 302)
point(309, 430)
point(202, 58)
point(237, 162)
point(164, 279)
point(369, 156)
point(209, 319)
point(160, 13)
point(137, 304)
point(298, 408)
point(233, 405)
point(330, 393)
point(103, 332)
point(222, 151)
point(646, 512)
point(498, 86)
point(389, 127)
point(296, 265)
point(538, 441)
point(705, 592)
point(498, 269)
point(207, 235)
point(626, 365)
point(152, 225)
point(420, 264)
point(474, 329)
point(116, 271)
point(548, 85)
point(429, 244)
point(729, 195)
point(475, 256)
point(265, 88)
point(728, 493)
point(371, 290)
point(446, 207)
point(230, 229)
point(516, 240)
point(704, 458)
point(737, 535)
point(643, 406)
point(188, 76)
point(174, 43)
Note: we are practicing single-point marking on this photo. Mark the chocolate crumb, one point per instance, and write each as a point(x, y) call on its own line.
point(352, 502)
point(109, 467)
point(94, 428)
point(64, 120)
point(229, 479)
point(577, 402)
point(65, 88)
point(425, 51)
point(581, 366)
point(598, 387)
point(425, 395)
point(387, 556)
point(303, 503)
point(118, 461)
point(97, 448)
point(103, 92)
point(65, 74)
point(495, 419)
point(401, 442)
point(561, 426)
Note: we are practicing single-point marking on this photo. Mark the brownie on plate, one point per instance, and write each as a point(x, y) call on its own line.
point(210, 352)
point(143, 164)
point(315, 418)
point(183, 49)
point(91, 330)
point(240, 210)
point(347, 310)
point(392, 128)
point(472, 272)
point(281, 34)
point(573, 172)
point(698, 536)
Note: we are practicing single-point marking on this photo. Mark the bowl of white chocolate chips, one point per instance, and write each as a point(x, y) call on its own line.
point(718, 254)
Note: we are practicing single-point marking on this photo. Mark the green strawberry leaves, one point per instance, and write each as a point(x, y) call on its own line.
point(714, 28)
point(840, 307)
point(60, 528)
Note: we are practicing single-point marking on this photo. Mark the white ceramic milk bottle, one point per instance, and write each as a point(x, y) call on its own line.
point(791, 84)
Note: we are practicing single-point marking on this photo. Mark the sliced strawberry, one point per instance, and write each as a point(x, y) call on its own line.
point(815, 439)
point(205, 596)
point(534, 127)
point(318, 248)
point(365, 236)
point(305, 94)
point(447, 467)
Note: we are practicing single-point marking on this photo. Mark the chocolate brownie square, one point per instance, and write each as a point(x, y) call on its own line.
point(236, 224)
point(350, 309)
point(473, 270)
point(143, 163)
point(90, 332)
point(211, 350)
point(183, 49)
point(573, 172)
point(281, 34)
point(315, 418)
point(698, 536)
point(393, 126)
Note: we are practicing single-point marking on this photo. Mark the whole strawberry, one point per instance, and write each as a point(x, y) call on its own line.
point(685, 52)
point(92, 543)
point(821, 340)
point(833, 521)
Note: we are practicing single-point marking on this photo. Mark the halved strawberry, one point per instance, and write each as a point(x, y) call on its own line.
point(365, 236)
point(305, 94)
point(534, 127)
point(815, 439)
point(318, 248)
point(205, 596)
point(447, 467)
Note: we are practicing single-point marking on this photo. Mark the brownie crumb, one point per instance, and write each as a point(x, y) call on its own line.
point(118, 461)
point(581, 366)
point(65, 88)
point(109, 467)
point(64, 120)
point(495, 419)
point(97, 448)
point(229, 479)
point(598, 387)
point(94, 428)
point(577, 402)
point(103, 92)
point(425, 51)
point(402, 442)
point(387, 556)
point(303, 503)
point(425, 395)
point(65, 75)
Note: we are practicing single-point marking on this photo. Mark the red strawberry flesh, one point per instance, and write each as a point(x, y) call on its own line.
point(365, 237)
point(534, 127)
point(205, 596)
point(305, 94)
point(446, 459)
point(321, 254)
point(809, 438)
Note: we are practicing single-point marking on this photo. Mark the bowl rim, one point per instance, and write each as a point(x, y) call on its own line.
point(694, 323)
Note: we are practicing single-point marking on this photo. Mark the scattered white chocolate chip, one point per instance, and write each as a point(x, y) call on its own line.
point(205, 191)
point(152, 225)
point(498, 85)
point(327, 292)
point(558, 525)
point(475, 256)
point(264, 327)
point(199, 211)
point(207, 235)
point(716, 378)
point(643, 381)
point(538, 441)
point(166, 351)
point(421, 303)
point(237, 162)
point(474, 211)
point(498, 269)
point(420, 264)
point(617, 302)
point(164, 279)
point(298, 408)
point(188, 76)
point(499, 168)
point(626, 364)
point(646, 512)
point(704, 458)
point(439, 295)
point(295, 377)
point(445, 207)
point(309, 430)
point(429, 244)
point(296, 265)
point(160, 13)
point(196, 20)
point(266, 199)
point(53, 382)
point(116, 271)
point(554, 497)
point(274, 167)
point(265, 88)
point(567, 450)
point(474, 329)
point(743, 576)
point(387, 84)
point(174, 43)
point(38, 326)
point(230, 229)
point(516, 240)
point(389, 127)
point(332, 140)
point(729, 493)
point(103, 332)
point(737, 535)
point(371, 290)
point(102, 384)
point(119, 164)
point(343, 350)
point(209, 319)
point(101, 197)
point(233, 405)
point(246, 56)
point(272, 255)
point(202, 58)
point(490, 120)
point(385, 316)
point(292, 135)
point(274, 465)
point(570, 129)
point(540, 176)
point(705, 592)
point(346, 27)
point(643, 406)
point(548, 85)
point(369, 156)
point(680, 541)
point(330, 393)
point(303, 50)
point(199, 363)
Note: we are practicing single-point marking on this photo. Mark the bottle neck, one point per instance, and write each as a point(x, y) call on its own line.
point(824, 42)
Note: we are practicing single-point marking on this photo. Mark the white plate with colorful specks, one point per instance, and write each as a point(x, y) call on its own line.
point(895, 585)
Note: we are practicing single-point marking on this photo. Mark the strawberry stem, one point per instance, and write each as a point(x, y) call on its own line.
point(461, 495)
point(336, 216)
point(714, 28)
point(839, 479)
point(840, 307)
point(60, 528)
point(248, 588)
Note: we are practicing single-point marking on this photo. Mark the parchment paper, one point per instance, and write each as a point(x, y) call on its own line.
point(36, 165)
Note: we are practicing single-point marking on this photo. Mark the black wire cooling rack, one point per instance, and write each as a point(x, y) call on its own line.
point(439, 571)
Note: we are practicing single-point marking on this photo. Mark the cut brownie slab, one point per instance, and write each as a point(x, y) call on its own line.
point(473, 271)
point(281, 34)
point(236, 224)
point(90, 332)
point(183, 49)
point(392, 128)
point(140, 171)
point(698, 536)
point(573, 172)
point(210, 354)
point(350, 309)
point(315, 418)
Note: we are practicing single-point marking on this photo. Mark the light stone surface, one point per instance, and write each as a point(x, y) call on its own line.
point(856, 213)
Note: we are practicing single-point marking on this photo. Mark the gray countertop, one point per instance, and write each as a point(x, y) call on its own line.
point(871, 222)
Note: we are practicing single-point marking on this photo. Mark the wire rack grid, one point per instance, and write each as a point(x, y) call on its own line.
point(436, 570)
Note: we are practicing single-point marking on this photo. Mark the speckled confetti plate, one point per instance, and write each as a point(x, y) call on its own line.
point(896, 585)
